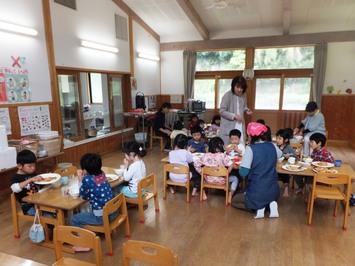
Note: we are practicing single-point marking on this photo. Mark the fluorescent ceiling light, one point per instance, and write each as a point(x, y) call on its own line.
point(17, 29)
point(101, 47)
point(149, 57)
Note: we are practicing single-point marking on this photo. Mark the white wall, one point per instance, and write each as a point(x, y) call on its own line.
point(147, 72)
point(172, 76)
point(340, 72)
point(92, 21)
point(31, 48)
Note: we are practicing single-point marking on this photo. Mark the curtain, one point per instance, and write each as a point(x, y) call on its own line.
point(320, 62)
point(189, 58)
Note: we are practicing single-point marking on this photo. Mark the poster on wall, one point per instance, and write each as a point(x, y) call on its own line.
point(5, 119)
point(34, 119)
point(14, 85)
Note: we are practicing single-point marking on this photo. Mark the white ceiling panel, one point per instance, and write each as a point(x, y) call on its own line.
point(244, 18)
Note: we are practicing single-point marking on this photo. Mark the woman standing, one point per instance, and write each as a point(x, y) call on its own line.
point(232, 109)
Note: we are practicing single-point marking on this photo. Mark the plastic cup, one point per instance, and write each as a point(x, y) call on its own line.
point(122, 166)
point(236, 160)
point(65, 180)
point(338, 163)
point(65, 191)
point(291, 160)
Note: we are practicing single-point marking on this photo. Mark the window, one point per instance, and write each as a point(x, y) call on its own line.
point(295, 93)
point(204, 91)
point(90, 102)
point(214, 73)
point(95, 87)
point(220, 60)
point(282, 78)
point(284, 58)
point(267, 94)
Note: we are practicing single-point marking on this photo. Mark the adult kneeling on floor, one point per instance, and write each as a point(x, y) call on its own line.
point(259, 164)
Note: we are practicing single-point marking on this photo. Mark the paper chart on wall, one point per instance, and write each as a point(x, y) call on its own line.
point(175, 98)
point(5, 119)
point(14, 85)
point(34, 119)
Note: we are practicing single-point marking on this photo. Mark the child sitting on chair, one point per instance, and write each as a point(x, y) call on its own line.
point(178, 128)
point(215, 157)
point(181, 155)
point(134, 172)
point(319, 154)
point(22, 183)
point(95, 188)
point(196, 144)
point(215, 124)
point(193, 121)
point(282, 141)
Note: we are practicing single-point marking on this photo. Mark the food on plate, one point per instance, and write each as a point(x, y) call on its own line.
point(292, 167)
point(325, 170)
point(47, 179)
point(322, 163)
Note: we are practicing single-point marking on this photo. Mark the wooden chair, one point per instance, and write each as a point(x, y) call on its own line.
point(176, 169)
point(214, 171)
point(118, 203)
point(333, 186)
point(78, 237)
point(298, 147)
point(66, 171)
point(148, 253)
point(149, 185)
point(17, 215)
point(153, 136)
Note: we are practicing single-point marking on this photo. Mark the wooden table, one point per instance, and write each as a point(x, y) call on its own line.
point(52, 200)
point(7, 259)
point(344, 168)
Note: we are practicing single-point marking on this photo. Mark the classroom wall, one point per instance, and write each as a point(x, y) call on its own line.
point(31, 49)
point(86, 23)
point(172, 76)
point(146, 72)
point(340, 68)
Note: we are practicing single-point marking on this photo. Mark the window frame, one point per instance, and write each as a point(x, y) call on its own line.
point(281, 74)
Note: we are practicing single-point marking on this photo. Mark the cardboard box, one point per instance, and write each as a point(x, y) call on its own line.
point(52, 146)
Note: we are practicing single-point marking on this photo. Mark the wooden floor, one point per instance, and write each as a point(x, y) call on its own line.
point(212, 234)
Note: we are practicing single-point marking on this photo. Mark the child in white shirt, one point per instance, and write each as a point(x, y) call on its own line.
point(134, 172)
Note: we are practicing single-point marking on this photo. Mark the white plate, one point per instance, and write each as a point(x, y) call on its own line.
point(323, 164)
point(293, 169)
point(111, 177)
point(119, 171)
point(46, 180)
point(325, 170)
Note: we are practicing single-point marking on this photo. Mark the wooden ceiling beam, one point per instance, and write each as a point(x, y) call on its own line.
point(286, 17)
point(284, 40)
point(136, 18)
point(194, 18)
